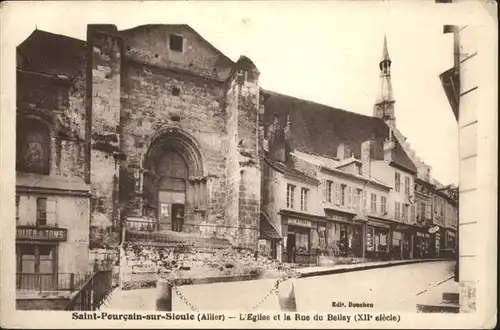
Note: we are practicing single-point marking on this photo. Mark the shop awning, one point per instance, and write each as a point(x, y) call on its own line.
point(267, 228)
point(378, 223)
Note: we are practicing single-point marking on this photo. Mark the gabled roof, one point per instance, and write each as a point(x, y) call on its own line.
point(319, 129)
point(185, 26)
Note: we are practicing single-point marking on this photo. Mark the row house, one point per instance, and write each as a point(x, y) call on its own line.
point(52, 191)
point(354, 205)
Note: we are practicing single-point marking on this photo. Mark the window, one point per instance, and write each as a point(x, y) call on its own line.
point(397, 211)
point(18, 199)
point(359, 193)
point(303, 199)
point(383, 204)
point(358, 169)
point(328, 194)
point(422, 211)
point(36, 267)
point(407, 185)
point(412, 209)
point(405, 213)
point(349, 196)
point(398, 182)
point(373, 203)
point(41, 211)
point(176, 43)
point(337, 189)
point(342, 194)
point(32, 147)
point(290, 194)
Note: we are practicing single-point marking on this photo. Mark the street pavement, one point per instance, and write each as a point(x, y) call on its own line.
point(396, 288)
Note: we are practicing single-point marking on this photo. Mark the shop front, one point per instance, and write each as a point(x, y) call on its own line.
point(304, 239)
point(345, 235)
point(421, 245)
point(377, 239)
point(448, 249)
point(402, 238)
point(434, 242)
point(37, 251)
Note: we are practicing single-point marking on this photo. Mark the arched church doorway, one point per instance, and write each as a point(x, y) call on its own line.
point(174, 187)
point(172, 169)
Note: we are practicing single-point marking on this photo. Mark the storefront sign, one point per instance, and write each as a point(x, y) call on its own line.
point(38, 234)
point(434, 229)
point(336, 217)
point(300, 223)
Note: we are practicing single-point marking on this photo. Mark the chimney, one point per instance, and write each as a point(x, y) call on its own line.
point(367, 155)
point(341, 151)
point(389, 146)
point(288, 128)
point(276, 140)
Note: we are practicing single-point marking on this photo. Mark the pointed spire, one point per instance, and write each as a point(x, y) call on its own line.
point(385, 52)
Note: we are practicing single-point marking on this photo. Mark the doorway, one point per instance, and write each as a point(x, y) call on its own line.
point(171, 210)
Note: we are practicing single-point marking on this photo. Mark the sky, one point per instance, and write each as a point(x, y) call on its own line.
point(324, 51)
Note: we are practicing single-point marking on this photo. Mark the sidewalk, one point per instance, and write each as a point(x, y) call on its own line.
point(327, 270)
point(148, 280)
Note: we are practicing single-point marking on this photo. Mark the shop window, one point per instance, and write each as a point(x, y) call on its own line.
point(41, 211)
point(176, 43)
point(383, 204)
point(398, 182)
point(290, 196)
point(303, 199)
point(32, 147)
point(36, 267)
point(373, 203)
point(302, 242)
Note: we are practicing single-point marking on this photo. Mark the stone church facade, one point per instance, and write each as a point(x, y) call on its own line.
point(150, 129)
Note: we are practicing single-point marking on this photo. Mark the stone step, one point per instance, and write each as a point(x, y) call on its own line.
point(438, 308)
point(451, 297)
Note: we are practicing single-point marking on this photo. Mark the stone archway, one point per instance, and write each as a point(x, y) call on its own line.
point(174, 184)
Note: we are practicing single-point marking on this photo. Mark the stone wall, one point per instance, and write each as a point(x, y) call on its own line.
point(189, 261)
point(52, 304)
point(104, 66)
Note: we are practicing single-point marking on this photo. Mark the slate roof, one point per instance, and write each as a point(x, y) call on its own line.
point(51, 53)
point(319, 129)
point(283, 168)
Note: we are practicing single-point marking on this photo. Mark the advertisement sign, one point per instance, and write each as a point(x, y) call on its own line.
point(164, 209)
point(41, 234)
point(369, 238)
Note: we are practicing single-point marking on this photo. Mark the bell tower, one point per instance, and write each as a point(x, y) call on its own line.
point(384, 104)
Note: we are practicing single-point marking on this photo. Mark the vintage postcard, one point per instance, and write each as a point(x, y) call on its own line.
point(280, 164)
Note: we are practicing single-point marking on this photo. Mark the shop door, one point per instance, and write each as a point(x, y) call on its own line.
point(177, 217)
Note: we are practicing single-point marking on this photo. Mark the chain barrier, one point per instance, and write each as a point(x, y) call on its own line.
point(274, 291)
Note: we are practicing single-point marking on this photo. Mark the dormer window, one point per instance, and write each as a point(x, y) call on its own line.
point(176, 43)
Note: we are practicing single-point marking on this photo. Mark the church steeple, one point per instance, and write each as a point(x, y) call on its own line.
point(384, 104)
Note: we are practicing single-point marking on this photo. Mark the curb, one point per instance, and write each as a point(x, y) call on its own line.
point(151, 283)
point(367, 267)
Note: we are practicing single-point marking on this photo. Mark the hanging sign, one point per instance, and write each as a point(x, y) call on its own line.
point(433, 229)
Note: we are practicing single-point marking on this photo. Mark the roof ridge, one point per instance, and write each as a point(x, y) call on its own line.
point(318, 103)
